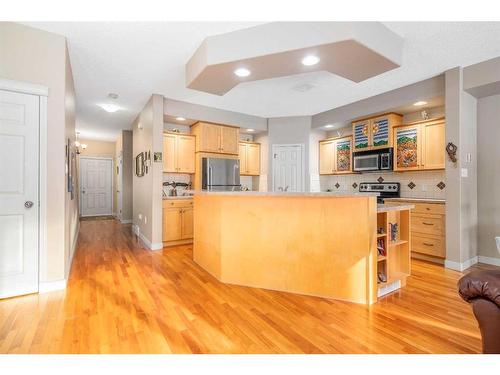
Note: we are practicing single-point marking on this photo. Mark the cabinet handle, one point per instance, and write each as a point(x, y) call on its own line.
point(423, 222)
point(427, 244)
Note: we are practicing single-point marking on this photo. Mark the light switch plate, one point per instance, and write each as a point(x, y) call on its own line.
point(464, 172)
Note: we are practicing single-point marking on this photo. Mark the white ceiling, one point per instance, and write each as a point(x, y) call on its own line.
point(138, 59)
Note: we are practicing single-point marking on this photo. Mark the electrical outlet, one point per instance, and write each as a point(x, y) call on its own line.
point(464, 172)
point(140, 216)
point(145, 219)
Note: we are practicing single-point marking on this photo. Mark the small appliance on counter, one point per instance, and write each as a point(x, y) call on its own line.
point(375, 160)
point(173, 192)
point(386, 189)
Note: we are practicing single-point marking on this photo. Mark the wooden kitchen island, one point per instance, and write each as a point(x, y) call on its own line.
point(319, 244)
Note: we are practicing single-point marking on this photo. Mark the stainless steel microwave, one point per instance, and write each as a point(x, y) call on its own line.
point(375, 160)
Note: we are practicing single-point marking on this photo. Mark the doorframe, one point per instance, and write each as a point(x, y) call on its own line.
point(42, 92)
point(80, 182)
point(274, 146)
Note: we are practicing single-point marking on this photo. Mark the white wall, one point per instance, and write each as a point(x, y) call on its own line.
point(488, 136)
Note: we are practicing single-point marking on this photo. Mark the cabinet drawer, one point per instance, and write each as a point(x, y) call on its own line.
point(177, 203)
point(429, 208)
point(428, 245)
point(428, 225)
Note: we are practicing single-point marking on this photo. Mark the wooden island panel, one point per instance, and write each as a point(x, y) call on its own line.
point(302, 243)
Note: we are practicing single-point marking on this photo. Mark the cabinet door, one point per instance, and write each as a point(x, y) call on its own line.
point(187, 223)
point(380, 136)
point(242, 153)
point(407, 153)
point(169, 153)
point(229, 140)
point(362, 135)
point(210, 138)
point(343, 155)
point(253, 159)
point(433, 150)
point(172, 224)
point(327, 157)
point(185, 154)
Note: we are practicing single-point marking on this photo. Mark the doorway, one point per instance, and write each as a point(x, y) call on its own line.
point(288, 167)
point(96, 191)
point(20, 118)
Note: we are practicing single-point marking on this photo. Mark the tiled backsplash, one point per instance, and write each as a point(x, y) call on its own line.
point(417, 184)
point(177, 177)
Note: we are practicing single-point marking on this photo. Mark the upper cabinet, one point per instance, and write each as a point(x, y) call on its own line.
point(375, 132)
point(216, 138)
point(335, 155)
point(249, 153)
point(178, 153)
point(420, 146)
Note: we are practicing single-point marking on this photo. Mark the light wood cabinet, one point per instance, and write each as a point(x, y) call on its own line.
point(375, 132)
point(249, 154)
point(420, 146)
point(177, 221)
point(335, 156)
point(428, 233)
point(178, 153)
point(214, 138)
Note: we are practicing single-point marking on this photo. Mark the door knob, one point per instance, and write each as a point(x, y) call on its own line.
point(28, 204)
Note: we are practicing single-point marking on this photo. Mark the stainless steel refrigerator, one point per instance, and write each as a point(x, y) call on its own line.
point(220, 174)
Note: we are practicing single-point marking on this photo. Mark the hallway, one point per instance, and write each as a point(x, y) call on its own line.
point(122, 298)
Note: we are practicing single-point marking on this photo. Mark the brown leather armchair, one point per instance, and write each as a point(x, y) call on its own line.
point(481, 288)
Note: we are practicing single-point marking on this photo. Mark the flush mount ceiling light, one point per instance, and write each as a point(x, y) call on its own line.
point(419, 103)
point(242, 72)
point(328, 126)
point(310, 60)
point(250, 130)
point(109, 107)
point(180, 119)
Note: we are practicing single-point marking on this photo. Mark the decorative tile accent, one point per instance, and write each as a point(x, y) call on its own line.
point(337, 185)
point(354, 185)
point(411, 185)
point(441, 185)
point(380, 179)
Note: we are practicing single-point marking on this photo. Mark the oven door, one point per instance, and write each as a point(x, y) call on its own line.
point(367, 162)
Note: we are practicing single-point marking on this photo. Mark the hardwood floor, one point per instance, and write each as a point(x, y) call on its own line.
point(122, 298)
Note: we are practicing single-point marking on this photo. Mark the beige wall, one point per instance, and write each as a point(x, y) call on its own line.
point(147, 190)
point(98, 148)
point(124, 148)
point(32, 55)
point(488, 135)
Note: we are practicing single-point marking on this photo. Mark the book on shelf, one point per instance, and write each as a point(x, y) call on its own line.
point(381, 247)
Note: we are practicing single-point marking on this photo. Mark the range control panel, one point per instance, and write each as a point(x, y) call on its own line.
point(379, 187)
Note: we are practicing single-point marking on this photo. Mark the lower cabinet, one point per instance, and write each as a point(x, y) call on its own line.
point(428, 234)
point(177, 221)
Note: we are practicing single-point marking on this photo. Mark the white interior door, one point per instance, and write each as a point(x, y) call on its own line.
point(19, 168)
point(288, 167)
point(96, 186)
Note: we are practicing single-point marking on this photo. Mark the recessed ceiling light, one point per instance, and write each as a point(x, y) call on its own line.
point(250, 130)
point(242, 72)
point(328, 126)
point(419, 103)
point(180, 119)
point(109, 107)
point(310, 60)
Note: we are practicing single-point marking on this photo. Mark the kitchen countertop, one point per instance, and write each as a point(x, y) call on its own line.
point(284, 194)
point(415, 200)
point(394, 207)
point(178, 197)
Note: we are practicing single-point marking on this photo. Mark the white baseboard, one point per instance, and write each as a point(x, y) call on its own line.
point(73, 249)
point(460, 266)
point(489, 260)
point(129, 221)
point(51, 286)
point(145, 240)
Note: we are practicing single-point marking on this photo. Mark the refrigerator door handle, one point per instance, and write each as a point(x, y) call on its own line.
point(209, 185)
